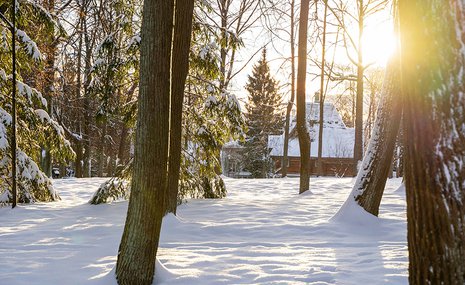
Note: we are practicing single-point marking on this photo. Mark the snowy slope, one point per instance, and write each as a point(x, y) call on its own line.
point(262, 233)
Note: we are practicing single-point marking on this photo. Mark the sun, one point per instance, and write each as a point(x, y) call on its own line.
point(379, 43)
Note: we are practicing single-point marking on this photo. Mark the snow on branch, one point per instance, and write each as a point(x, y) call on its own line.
point(30, 46)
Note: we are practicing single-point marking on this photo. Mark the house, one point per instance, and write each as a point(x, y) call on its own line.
point(232, 160)
point(338, 144)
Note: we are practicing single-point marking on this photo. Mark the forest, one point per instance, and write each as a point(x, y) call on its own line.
point(232, 142)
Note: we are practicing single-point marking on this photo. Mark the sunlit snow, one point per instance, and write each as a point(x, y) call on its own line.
point(262, 233)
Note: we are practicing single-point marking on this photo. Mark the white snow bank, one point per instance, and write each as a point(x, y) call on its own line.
point(264, 232)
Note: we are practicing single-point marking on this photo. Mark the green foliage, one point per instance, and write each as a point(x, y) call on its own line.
point(264, 117)
point(211, 117)
point(35, 127)
point(115, 188)
point(115, 70)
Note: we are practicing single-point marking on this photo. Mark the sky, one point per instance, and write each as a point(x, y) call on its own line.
point(378, 41)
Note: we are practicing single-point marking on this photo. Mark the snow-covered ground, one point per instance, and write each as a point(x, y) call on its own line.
point(262, 233)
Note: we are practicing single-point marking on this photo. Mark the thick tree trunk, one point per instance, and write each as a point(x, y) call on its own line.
point(371, 180)
point(180, 67)
point(433, 59)
point(291, 101)
point(139, 244)
point(302, 131)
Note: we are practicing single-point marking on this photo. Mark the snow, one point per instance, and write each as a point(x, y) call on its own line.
point(262, 233)
point(30, 46)
point(338, 140)
point(336, 143)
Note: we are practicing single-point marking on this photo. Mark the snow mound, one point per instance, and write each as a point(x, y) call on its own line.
point(401, 189)
point(352, 214)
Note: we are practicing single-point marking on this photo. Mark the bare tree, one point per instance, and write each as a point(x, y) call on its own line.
point(432, 67)
point(365, 9)
point(322, 85)
point(276, 13)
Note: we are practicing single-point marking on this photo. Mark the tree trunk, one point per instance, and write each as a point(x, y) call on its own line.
point(302, 131)
point(122, 146)
point(180, 68)
point(78, 160)
point(432, 33)
point(371, 179)
point(88, 112)
point(322, 93)
point(291, 101)
point(101, 150)
point(48, 90)
point(139, 244)
point(78, 149)
point(358, 145)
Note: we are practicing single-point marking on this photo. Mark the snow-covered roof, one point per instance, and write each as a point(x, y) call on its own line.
point(338, 140)
point(232, 144)
point(331, 116)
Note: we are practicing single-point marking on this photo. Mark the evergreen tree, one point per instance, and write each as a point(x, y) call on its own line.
point(35, 126)
point(264, 117)
point(211, 116)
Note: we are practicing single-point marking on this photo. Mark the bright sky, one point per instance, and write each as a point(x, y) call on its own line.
point(378, 45)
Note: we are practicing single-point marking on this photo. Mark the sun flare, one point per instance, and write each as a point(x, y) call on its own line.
point(379, 43)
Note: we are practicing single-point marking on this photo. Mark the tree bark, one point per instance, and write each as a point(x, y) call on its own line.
point(302, 131)
point(88, 112)
point(139, 244)
point(433, 59)
point(48, 89)
point(291, 101)
point(358, 145)
point(78, 149)
point(180, 67)
point(371, 179)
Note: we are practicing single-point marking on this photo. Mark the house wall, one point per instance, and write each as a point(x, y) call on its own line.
point(343, 167)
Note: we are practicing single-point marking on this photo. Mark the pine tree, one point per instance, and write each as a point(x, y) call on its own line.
point(35, 126)
point(264, 117)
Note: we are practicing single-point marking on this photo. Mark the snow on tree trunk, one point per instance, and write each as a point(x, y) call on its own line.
point(433, 59)
point(373, 173)
point(139, 244)
point(302, 130)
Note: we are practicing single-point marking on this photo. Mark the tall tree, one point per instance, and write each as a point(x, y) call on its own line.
point(37, 126)
point(322, 89)
point(358, 18)
point(138, 248)
point(285, 12)
point(432, 40)
point(180, 67)
point(263, 118)
point(302, 130)
point(290, 104)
